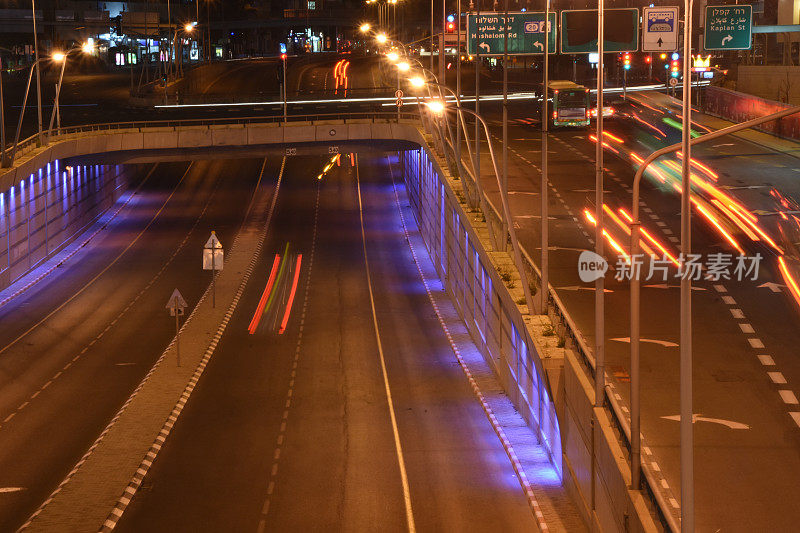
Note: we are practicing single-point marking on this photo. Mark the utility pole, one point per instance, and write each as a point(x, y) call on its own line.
point(543, 193)
point(599, 248)
point(38, 70)
point(505, 119)
point(686, 428)
point(478, 103)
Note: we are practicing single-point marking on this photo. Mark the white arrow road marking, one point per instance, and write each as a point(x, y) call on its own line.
point(11, 489)
point(566, 248)
point(774, 287)
point(578, 288)
point(510, 193)
point(665, 286)
point(666, 344)
point(697, 417)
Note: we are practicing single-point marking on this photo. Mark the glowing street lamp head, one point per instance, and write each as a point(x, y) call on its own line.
point(189, 28)
point(436, 107)
point(381, 38)
point(392, 56)
point(417, 81)
point(365, 27)
point(403, 66)
point(87, 48)
point(58, 57)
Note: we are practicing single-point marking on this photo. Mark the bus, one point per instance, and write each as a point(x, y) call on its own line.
point(569, 103)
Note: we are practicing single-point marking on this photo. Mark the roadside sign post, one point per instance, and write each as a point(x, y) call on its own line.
point(213, 260)
point(176, 306)
point(486, 34)
point(728, 27)
point(659, 29)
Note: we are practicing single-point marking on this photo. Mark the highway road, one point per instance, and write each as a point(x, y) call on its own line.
point(75, 345)
point(357, 413)
point(745, 371)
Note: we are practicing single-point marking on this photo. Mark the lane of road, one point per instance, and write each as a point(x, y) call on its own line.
point(75, 345)
point(293, 431)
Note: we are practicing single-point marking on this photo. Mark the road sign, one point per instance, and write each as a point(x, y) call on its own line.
point(176, 306)
point(399, 102)
point(673, 82)
point(398, 93)
point(729, 27)
point(176, 303)
point(486, 34)
point(579, 31)
point(215, 260)
point(659, 29)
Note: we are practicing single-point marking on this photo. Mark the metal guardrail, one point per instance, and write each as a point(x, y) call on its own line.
point(557, 309)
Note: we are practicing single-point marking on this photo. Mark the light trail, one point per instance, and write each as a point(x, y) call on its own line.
point(650, 238)
point(263, 301)
point(626, 228)
point(614, 244)
point(787, 277)
point(717, 224)
point(291, 295)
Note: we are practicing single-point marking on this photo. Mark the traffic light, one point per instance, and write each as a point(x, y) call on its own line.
point(675, 68)
point(283, 57)
point(451, 26)
point(663, 56)
point(626, 61)
point(648, 59)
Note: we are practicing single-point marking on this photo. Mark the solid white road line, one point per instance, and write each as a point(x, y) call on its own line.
point(395, 431)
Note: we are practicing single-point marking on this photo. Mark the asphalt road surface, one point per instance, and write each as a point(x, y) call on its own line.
point(303, 430)
point(74, 346)
point(745, 368)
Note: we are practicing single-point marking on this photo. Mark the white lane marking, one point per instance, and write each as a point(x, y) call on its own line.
point(766, 360)
point(796, 417)
point(746, 328)
point(777, 378)
point(755, 343)
point(729, 300)
point(700, 418)
point(737, 313)
point(788, 397)
point(6, 490)
point(398, 447)
point(666, 344)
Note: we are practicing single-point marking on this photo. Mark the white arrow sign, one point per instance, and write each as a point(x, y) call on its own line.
point(726, 39)
point(176, 303)
point(539, 45)
point(700, 418)
point(486, 46)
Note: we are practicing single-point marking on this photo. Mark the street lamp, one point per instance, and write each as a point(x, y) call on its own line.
point(364, 28)
point(438, 107)
point(381, 38)
point(61, 57)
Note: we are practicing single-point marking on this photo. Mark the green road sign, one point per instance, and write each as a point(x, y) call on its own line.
point(486, 34)
point(729, 27)
point(579, 31)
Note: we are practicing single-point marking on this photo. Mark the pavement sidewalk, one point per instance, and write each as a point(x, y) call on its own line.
point(96, 492)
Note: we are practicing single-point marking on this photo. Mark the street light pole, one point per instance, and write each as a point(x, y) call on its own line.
point(285, 106)
point(686, 426)
point(2, 121)
point(544, 289)
point(599, 245)
point(505, 110)
point(38, 70)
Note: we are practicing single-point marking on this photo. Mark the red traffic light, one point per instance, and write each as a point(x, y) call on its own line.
point(283, 57)
point(451, 27)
